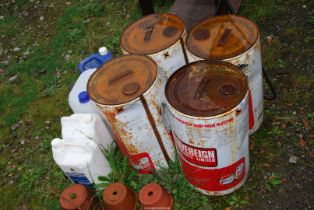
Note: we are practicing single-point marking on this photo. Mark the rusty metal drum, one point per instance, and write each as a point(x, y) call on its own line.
point(127, 90)
point(159, 36)
point(236, 40)
point(208, 102)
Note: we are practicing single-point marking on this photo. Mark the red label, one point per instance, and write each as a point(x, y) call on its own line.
point(142, 163)
point(200, 156)
point(214, 179)
point(251, 111)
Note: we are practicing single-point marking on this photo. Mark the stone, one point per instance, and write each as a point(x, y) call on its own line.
point(58, 74)
point(42, 71)
point(13, 78)
point(15, 126)
point(16, 49)
point(26, 53)
point(67, 57)
point(293, 159)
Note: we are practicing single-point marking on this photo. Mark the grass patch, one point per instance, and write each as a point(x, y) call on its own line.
point(9, 25)
point(260, 10)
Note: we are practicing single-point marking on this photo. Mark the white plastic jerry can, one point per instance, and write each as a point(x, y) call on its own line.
point(79, 100)
point(86, 126)
point(80, 159)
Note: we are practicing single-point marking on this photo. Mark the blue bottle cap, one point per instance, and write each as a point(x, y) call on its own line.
point(83, 97)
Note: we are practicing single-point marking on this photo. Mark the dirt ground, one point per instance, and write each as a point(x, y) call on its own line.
point(42, 41)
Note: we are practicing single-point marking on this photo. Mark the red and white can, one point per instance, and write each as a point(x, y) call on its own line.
point(127, 91)
point(208, 103)
point(159, 36)
point(235, 40)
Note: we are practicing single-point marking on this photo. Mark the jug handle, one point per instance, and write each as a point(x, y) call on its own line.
point(89, 60)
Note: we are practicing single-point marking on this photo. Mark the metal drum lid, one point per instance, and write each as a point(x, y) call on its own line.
point(222, 37)
point(206, 88)
point(152, 34)
point(122, 80)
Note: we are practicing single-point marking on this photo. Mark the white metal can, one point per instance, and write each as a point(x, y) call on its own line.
point(159, 36)
point(127, 90)
point(235, 40)
point(208, 102)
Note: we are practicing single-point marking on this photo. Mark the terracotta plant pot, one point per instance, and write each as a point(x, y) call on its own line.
point(118, 197)
point(77, 196)
point(154, 196)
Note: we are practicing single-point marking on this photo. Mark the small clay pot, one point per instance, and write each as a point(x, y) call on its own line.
point(118, 197)
point(154, 196)
point(77, 196)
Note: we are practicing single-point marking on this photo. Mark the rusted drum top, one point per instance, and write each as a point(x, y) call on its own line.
point(122, 80)
point(152, 34)
point(222, 37)
point(206, 88)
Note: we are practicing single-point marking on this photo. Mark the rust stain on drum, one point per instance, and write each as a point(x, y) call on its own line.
point(201, 34)
point(132, 149)
point(153, 125)
point(206, 88)
point(170, 31)
point(119, 127)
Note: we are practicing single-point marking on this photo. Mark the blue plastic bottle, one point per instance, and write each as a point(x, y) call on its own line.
point(95, 60)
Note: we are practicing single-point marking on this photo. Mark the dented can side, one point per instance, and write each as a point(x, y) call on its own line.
point(134, 134)
point(212, 149)
point(251, 62)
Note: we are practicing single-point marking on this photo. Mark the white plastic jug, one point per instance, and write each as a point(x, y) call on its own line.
point(79, 100)
point(80, 159)
point(86, 126)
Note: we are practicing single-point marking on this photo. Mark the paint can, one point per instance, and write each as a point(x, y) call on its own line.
point(127, 90)
point(159, 36)
point(208, 102)
point(236, 40)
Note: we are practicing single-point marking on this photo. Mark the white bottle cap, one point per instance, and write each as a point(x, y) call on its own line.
point(103, 50)
point(57, 143)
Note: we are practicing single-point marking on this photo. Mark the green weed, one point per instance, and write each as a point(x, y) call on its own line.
point(236, 201)
point(310, 116)
point(9, 25)
point(281, 63)
point(52, 87)
point(273, 181)
point(275, 131)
